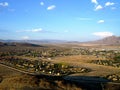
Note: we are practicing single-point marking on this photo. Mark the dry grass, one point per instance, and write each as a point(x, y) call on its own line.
point(17, 82)
point(83, 61)
point(6, 73)
point(112, 87)
point(58, 85)
point(25, 81)
point(13, 80)
point(77, 58)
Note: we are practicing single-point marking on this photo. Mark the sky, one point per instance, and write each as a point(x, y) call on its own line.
point(72, 20)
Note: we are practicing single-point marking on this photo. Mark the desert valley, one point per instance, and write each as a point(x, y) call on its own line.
point(35, 65)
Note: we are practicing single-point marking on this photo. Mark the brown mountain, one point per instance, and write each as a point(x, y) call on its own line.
point(112, 40)
point(19, 44)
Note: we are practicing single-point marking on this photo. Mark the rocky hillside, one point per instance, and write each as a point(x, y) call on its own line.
point(112, 40)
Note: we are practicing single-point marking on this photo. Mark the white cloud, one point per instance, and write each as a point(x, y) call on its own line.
point(109, 3)
point(101, 21)
point(25, 37)
point(51, 7)
point(103, 34)
point(36, 30)
point(94, 1)
point(32, 30)
point(98, 7)
point(84, 19)
point(41, 3)
point(4, 4)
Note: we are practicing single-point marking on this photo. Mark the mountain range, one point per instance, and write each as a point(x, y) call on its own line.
point(112, 40)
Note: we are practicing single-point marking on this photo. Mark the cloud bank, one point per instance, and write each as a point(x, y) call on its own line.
point(32, 30)
point(4, 4)
point(109, 4)
point(94, 1)
point(103, 34)
point(25, 37)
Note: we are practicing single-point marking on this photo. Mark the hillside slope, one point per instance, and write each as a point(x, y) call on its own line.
point(112, 40)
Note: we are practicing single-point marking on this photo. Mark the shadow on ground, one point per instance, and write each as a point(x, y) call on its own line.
point(80, 83)
point(42, 82)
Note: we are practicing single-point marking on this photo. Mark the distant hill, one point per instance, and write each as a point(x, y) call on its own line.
point(34, 41)
point(112, 40)
point(19, 44)
point(1, 44)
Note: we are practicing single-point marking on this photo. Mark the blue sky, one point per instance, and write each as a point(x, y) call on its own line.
point(76, 20)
